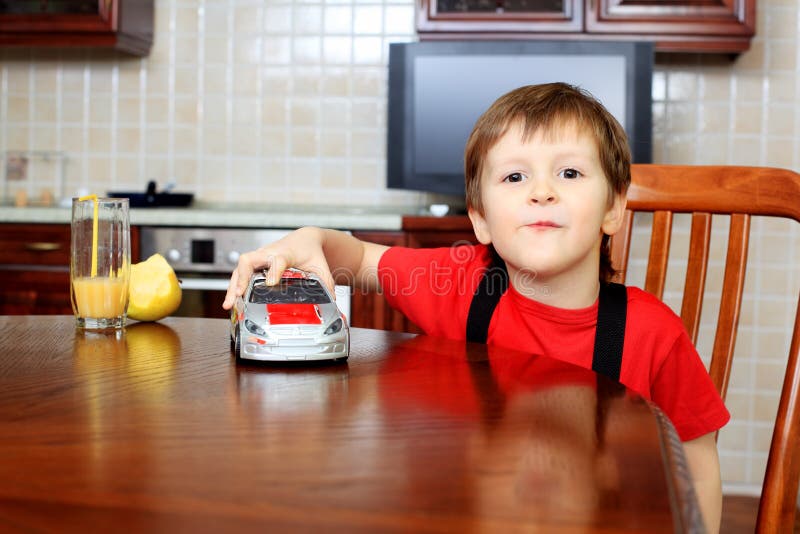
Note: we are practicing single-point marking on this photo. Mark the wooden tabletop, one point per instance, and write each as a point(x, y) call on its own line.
point(159, 429)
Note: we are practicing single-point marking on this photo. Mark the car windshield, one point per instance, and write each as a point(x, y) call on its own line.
point(289, 291)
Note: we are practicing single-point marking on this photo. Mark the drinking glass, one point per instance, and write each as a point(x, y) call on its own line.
point(100, 262)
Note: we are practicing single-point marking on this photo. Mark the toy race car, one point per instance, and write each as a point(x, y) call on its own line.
point(296, 319)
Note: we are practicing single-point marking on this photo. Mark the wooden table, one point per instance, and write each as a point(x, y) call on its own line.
point(161, 430)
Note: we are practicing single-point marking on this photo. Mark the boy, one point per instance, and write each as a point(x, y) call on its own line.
point(547, 169)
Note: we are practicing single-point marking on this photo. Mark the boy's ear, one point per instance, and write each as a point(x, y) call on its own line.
point(479, 226)
point(615, 215)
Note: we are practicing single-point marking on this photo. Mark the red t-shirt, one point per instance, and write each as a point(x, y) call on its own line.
point(434, 289)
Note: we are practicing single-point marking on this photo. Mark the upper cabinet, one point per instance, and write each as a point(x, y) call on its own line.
point(674, 25)
point(125, 25)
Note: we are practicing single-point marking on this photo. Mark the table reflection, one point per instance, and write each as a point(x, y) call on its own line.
point(500, 430)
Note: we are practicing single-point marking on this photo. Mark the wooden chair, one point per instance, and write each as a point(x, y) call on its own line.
point(739, 192)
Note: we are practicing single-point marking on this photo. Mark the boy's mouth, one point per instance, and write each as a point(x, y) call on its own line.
point(543, 225)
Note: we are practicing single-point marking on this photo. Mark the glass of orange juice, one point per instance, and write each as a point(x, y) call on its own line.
point(100, 261)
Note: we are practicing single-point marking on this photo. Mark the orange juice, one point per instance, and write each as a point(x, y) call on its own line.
point(101, 297)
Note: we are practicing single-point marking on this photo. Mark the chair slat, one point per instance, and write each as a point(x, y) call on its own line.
point(621, 247)
point(731, 302)
point(659, 253)
point(779, 494)
point(696, 270)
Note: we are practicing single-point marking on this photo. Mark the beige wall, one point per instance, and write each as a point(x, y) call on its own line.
point(284, 101)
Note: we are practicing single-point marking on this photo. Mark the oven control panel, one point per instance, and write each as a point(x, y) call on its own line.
point(204, 250)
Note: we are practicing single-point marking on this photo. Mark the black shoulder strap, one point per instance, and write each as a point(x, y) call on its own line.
point(611, 314)
point(609, 334)
point(493, 284)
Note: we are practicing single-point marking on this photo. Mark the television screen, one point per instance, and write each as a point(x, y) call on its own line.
point(438, 89)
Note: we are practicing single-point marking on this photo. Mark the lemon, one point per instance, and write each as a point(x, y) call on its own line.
point(154, 291)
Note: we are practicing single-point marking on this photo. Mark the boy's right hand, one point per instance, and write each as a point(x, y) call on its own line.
point(301, 249)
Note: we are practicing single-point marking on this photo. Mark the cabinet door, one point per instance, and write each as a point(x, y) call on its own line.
point(34, 268)
point(677, 25)
point(125, 25)
point(40, 292)
point(499, 16)
point(438, 231)
point(370, 310)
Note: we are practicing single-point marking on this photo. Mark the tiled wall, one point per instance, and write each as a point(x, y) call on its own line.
point(284, 101)
point(240, 100)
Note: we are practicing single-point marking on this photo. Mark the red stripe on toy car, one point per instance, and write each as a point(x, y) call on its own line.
point(294, 314)
point(294, 274)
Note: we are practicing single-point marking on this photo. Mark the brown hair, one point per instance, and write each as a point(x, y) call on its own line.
point(547, 107)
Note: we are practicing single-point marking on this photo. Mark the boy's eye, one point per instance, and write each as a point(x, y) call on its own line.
point(570, 174)
point(514, 177)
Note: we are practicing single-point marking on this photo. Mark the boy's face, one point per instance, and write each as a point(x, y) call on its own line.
point(546, 204)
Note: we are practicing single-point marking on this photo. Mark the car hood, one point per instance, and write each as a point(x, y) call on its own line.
point(294, 314)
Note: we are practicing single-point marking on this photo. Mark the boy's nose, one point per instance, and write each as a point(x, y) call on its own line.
point(541, 193)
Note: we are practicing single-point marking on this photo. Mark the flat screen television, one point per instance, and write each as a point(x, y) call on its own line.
point(438, 89)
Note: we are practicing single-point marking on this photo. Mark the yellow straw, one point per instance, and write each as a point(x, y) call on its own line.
point(94, 232)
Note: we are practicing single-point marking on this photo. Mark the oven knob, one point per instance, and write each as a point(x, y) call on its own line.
point(233, 257)
point(173, 255)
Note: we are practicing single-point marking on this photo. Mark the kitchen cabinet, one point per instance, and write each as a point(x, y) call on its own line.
point(124, 25)
point(34, 268)
point(370, 310)
point(674, 25)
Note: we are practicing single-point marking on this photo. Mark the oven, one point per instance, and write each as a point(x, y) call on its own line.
point(204, 258)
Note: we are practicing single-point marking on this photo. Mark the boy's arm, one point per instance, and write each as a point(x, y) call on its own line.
point(332, 255)
point(701, 455)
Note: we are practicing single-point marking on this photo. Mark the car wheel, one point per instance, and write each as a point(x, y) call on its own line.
point(237, 344)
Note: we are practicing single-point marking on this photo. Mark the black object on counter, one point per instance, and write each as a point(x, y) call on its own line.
point(151, 199)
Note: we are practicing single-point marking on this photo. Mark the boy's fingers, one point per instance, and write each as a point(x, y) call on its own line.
point(230, 295)
point(239, 279)
point(234, 289)
point(327, 279)
point(276, 266)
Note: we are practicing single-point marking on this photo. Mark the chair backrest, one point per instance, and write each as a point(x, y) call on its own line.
point(739, 192)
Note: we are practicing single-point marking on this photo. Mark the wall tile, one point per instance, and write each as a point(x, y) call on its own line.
point(715, 118)
point(338, 19)
point(128, 140)
point(100, 80)
point(44, 138)
point(337, 50)
point(334, 175)
point(681, 85)
point(781, 153)
point(273, 143)
point(752, 59)
point(185, 141)
point(277, 19)
point(333, 143)
point(306, 50)
point(215, 48)
point(45, 78)
point(305, 142)
point(368, 20)
point(716, 84)
point(307, 19)
point(682, 117)
point(128, 110)
point(246, 19)
point(782, 55)
point(72, 79)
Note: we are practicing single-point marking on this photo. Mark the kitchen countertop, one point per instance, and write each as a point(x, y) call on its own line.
point(237, 216)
